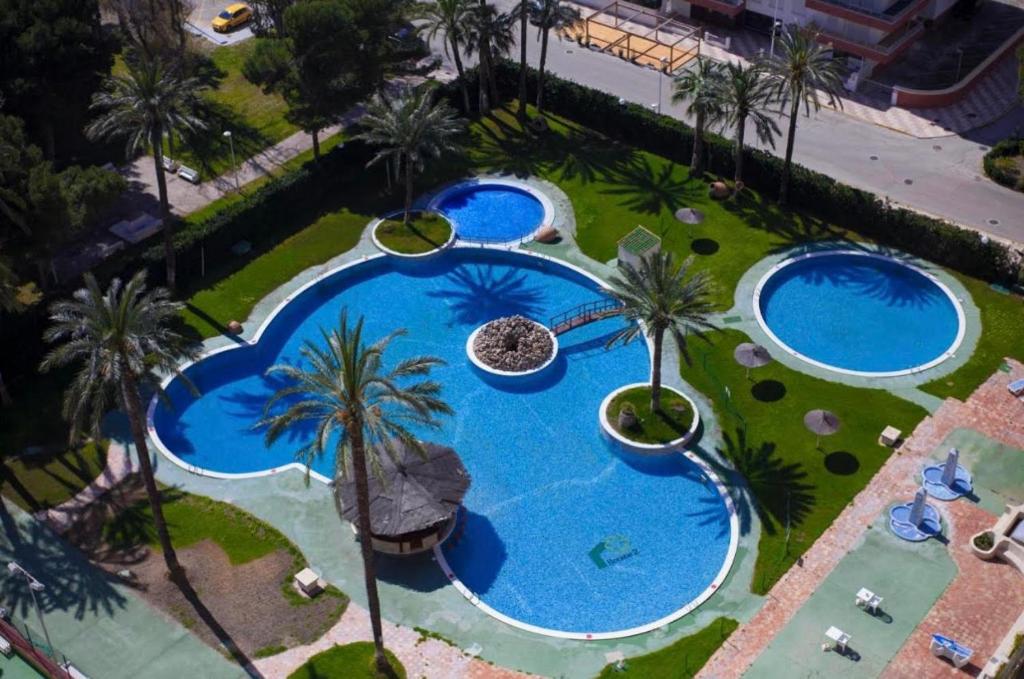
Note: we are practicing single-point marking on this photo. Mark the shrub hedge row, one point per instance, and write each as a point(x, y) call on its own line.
point(860, 211)
point(1001, 163)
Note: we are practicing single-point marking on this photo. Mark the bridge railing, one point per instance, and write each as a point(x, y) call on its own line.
point(585, 312)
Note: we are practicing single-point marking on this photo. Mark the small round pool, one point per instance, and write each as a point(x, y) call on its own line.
point(859, 313)
point(498, 211)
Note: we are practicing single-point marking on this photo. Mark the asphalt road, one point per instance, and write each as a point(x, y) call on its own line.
point(940, 176)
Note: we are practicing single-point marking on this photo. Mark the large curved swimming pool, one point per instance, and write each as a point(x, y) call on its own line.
point(559, 531)
point(859, 313)
point(496, 211)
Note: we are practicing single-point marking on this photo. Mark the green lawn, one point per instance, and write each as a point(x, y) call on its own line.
point(671, 423)
point(422, 234)
point(351, 661)
point(1002, 335)
point(681, 660)
point(765, 438)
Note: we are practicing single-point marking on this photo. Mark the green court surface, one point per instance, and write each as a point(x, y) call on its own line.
point(998, 470)
point(16, 668)
point(910, 578)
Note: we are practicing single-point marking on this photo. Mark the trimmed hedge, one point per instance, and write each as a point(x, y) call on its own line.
point(1001, 163)
point(860, 211)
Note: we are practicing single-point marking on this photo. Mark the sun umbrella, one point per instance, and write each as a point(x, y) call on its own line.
point(689, 215)
point(751, 355)
point(821, 423)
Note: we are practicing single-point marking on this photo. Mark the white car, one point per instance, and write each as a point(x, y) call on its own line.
point(188, 174)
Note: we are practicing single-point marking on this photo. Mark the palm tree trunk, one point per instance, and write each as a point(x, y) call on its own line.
point(462, 72)
point(408, 189)
point(790, 139)
point(133, 407)
point(366, 545)
point(659, 338)
point(485, 76)
point(156, 141)
point(315, 134)
point(5, 396)
point(523, 15)
point(540, 71)
point(697, 159)
point(741, 128)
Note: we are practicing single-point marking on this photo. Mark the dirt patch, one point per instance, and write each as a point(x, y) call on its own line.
point(243, 604)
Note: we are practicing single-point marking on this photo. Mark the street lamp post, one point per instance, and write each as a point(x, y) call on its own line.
point(33, 587)
point(661, 71)
point(776, 25)
point(231, 143)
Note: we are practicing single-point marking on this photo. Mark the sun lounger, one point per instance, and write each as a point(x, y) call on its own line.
point(1016, 387)
point(944, 647)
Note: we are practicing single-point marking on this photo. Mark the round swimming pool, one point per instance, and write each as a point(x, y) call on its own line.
point(560, 532)
point(859, 313)
point(493, 211)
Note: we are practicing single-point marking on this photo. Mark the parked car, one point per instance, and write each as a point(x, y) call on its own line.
point(233, 16)
point(170, 165)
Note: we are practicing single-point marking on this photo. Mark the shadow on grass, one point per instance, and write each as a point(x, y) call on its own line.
point(225, 638)
point(768, 391)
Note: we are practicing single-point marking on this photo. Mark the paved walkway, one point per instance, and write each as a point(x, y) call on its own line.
point(990, 411)
point(421, 656)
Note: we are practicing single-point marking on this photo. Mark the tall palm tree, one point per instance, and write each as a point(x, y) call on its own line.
point(664, 298)
point(8, 303)
point(449, 18)
point(123, 339)
point(746, 93)
point(805, 73)
point(523, 14)
point(550, 15)
point(144, 104)
point(489, 36)
point(699, 87)
point(358, 410)
point(409, 129)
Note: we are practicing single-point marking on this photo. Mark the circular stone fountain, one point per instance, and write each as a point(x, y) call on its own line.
point(512, 346)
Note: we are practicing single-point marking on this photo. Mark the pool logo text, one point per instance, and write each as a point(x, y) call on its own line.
point(612, 550)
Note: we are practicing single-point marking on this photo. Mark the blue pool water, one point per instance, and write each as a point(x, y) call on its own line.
point(560, 531)
point(860, 313)
point(492, 212)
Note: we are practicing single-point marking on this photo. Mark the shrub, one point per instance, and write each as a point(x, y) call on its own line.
point(984, 540)
point(858, 210)
point(1002, 163)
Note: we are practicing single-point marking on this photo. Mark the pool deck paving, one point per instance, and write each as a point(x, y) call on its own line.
point(985, 597)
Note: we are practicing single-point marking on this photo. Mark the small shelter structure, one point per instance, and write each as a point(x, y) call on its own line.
point(414, 502)
point(636, 245)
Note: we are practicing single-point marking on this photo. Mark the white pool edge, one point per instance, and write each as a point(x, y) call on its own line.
point(540, 196)
point(412, 257)
point(646, 448)
point(950, 352)
point(483, 367)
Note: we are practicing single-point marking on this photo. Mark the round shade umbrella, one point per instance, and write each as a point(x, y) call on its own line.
point(821, 423)
point(751, 355)
point(413, 492)
point(689, 215)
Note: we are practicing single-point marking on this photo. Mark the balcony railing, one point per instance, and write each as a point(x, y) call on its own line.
point(893, 16)
point(883, 51)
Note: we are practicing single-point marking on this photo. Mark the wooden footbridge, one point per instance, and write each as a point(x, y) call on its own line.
point(583, 314)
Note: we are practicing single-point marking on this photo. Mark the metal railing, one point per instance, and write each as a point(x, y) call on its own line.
point(583, 314)
point(34, 650)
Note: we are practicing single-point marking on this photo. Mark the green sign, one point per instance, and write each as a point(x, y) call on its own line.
point(611, 550)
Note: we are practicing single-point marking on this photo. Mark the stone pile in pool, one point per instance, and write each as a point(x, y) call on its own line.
point(513, 344)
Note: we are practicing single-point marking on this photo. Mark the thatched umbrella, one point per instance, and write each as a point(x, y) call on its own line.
point(751, 355)
point(821, 423)
point(415, 496)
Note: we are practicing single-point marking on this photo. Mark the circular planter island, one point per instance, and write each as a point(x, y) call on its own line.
point(426, 234)
point(512, 347)
point(626, 418)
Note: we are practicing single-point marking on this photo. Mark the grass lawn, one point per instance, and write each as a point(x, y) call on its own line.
point(681, 660)
point(765, 438)
point(423, 233)
point(671, 423)
point(1002, 335)
point(352, 661)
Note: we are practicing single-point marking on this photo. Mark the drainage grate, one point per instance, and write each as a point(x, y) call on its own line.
point(874, 157)
point(732, 319)
point(908, 182)
point(993, 222)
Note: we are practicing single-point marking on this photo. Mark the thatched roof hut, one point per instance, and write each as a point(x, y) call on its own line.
point(414, 504)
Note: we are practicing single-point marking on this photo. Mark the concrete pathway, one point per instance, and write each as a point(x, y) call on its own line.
point(990, 411)
point(103, 627)
point(937, 177)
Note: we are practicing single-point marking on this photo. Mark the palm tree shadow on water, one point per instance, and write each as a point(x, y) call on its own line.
point(762, 484)
point(482, 293)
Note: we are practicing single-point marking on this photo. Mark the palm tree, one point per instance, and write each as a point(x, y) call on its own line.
point(409, 129)
point(548, 15)
point(144, 104)
point(804, 72)
point(699, 87)
point(358, 410)
point(489, 36)
point(523, 14)
point(124, 341)
point(664, 298)
point(745, 93)
point(8, 303)
point(449, 18)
